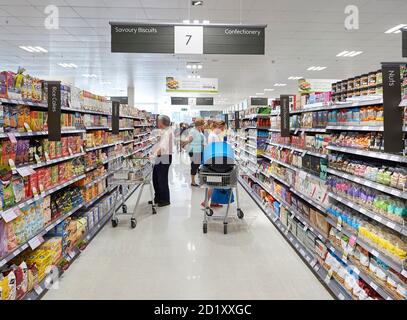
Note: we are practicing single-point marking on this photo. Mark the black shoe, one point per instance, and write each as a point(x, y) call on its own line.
point(163, 204)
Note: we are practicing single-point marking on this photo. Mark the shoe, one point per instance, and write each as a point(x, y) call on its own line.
point(163, 204)
point(203, 205)
point(215, 205)
point(194, 185)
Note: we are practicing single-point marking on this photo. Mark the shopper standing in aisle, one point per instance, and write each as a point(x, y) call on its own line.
point(162, 157)
point(195, 141)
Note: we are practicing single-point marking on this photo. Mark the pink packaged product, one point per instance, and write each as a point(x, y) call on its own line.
point(3, 239)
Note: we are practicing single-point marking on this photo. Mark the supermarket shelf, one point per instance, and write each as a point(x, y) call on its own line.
point(339, 252)
point(381, 187)
point(39, 291)
point(321, 106)
point(24, 102)
point(316, 154)
point(143, 125)
point(93, 201)
point(97, 128)
point(333, 286)
point(251, 153)
point(371, 154)
point(39, 133)
point(309, 200)
point(42, 288)
point(141, 134)
point(130, 141)
point(396, 265)
point(45, 230)
point(98, 179)
point(47, 163)
point(303, 173)
point(123, 129)
point(356, 128)
point(40, 196)
point(103, 146)
point(382, 220)
point(316, 130)
point(276, 177)
point(112, 159)
point(255, 116)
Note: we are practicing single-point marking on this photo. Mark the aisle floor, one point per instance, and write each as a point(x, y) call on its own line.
point(168, 257)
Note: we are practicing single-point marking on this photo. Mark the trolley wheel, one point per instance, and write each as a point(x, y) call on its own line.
point(124, 208)
point(205, 228)
point(225, 228)
point(115, 222)
point(133, 223)
point(240, 214)
point(154, 210)
point(209, 212)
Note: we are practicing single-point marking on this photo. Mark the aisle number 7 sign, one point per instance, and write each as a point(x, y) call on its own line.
point(188, 39)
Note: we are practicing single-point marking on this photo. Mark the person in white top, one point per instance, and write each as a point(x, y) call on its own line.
point(162, 157)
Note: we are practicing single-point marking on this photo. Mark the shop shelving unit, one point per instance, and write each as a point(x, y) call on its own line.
point(253, 170)
point(145, 122)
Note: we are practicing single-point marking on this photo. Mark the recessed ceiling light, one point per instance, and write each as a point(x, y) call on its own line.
point(196, 21)
point(199, 66)
point(189, 66)
point(194, 66)
point(186, 21)
point(280, 84)
point(68, 65)
point(268, 89)
point(313, 68)
point(33, 49)
point(349, 54)
point(206, 22)
point(294, 78)
point(259, 93)
point(87, 75)
point(396, 29)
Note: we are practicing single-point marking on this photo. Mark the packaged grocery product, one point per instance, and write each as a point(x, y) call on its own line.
point(18, 189)
point(8, 284)
point(21, 275)
point(32, 277)
point(8, 195)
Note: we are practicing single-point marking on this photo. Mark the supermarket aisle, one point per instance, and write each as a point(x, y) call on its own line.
point(168, 257)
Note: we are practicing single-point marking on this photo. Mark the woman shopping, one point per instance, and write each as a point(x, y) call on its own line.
point(195, 142)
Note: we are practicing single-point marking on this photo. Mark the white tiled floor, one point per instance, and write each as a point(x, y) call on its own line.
point(168, 257)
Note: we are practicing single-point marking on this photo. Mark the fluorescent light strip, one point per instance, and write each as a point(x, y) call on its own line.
point(268, 89)
point(294, 78)
point(343, 53)
point(259, 93)
point(313, 68)
point(356, 53)
point(396, 29)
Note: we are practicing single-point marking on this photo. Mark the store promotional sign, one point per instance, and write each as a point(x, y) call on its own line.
point(187, 39)
point(259, 102)
point(404, 43)
point(115, 117)
point(315, 85)
point(197, 85)
point(179, 101)
point(285, 115)
point(54, 110)
point(204, 101)
point(393, 114)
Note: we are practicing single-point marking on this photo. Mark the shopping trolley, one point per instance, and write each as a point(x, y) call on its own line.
point(219, 171)
point(136, 172)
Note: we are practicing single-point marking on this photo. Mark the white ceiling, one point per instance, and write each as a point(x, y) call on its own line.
point(299, 34)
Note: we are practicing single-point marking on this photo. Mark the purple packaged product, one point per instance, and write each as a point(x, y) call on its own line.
point(3, 239)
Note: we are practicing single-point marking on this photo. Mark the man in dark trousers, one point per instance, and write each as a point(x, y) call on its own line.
point(162, 154)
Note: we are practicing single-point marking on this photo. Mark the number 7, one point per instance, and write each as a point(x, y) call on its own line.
point(189, 36)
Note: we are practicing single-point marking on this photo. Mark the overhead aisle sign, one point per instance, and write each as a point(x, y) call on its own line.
point(187, 39)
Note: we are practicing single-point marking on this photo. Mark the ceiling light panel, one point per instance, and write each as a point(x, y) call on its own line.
point(396, 29)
